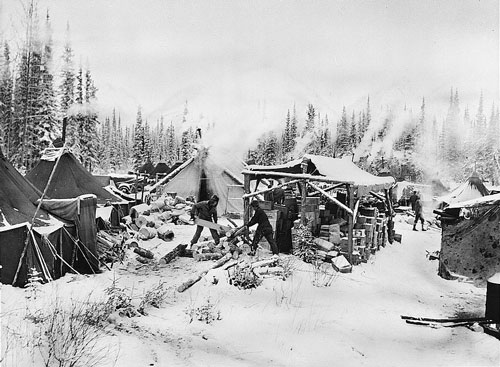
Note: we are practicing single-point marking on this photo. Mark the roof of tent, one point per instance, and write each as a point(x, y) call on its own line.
point(483, 200)
point(203, 176)
point(147, 167)
point(70, 179)
point(17, 198)
point(333, 169)
point(471, 189)
point(161, 167)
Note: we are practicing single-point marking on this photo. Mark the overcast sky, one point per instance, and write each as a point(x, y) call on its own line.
point(249, 61)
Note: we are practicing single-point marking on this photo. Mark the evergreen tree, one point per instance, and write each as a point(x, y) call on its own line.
point(171, 147)
point(67, 86)
point(311, 116)
point(139, 147)
point(185, 148)
point(343, 141)
point(6, 101)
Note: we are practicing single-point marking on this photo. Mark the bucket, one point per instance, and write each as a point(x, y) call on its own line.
point(493, 298)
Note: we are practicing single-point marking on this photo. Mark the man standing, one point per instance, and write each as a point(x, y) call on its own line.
point(206, 210)
point(418, 214)
point(413, 199)
point(264, 228)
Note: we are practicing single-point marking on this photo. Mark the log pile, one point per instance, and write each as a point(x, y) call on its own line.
point(110, 248)
point(159, 218)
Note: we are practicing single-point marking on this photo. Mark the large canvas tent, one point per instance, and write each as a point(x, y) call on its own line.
point(473, 188)
point(70, 179)
point(203, 176)
point(30, 237)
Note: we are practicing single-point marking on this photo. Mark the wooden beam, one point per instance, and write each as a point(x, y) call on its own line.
point(350, 223)
point(303, 190)
point(246, 206)
point(305, 176)
point(255, 193)
point(330, 188)
point(331, 198)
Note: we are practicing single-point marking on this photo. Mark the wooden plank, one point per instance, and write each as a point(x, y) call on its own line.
point(212, 225)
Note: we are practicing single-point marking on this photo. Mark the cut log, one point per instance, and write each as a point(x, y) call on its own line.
point(143, 252)
point(179, 250)
point(187, 284)
point(146, 233)
point(266, 262)
point(158, 204)
point(141, 221)
point(165, 232)
point(206, 256)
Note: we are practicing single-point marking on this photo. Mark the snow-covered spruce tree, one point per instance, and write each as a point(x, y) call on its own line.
point(47, 127)
point(67, 86)
point(292, 142)
point(90, 122)
point(148, 148)
point(139, 147)
point(171, 148)
point(310, 119)
point(113, 143)
point(185, 148)
point(343, 141)
point(285, 138)
point(492, 165)
point(104, 146)
point(6, 100)
point(27, 93)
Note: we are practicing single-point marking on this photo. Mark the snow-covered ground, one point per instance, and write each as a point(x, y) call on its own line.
point(353, 322)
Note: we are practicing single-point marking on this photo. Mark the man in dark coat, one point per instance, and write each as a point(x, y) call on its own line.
point(413, 199)
point(418, 215)
point(264, 228)
point(206, 210)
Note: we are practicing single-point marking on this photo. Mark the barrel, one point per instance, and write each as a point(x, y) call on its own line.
point(493, 298)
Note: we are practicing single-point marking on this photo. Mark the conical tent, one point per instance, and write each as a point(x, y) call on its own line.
point(161, 168)
point(70, 179)
point(25, 243)
point(473, 188)
point(17, 198)
point(204, 176)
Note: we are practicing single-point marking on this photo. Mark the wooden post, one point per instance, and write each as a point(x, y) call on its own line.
point(246, 200)
point(303, 190)
point(350, 222)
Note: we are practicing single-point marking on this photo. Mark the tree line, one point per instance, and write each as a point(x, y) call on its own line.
point(402, 143)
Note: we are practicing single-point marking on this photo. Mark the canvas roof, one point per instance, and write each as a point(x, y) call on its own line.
point(208, 174)
point(483, 200)
point(334, 169)
point(17, 198)
point(471, 189)
point(71, 179)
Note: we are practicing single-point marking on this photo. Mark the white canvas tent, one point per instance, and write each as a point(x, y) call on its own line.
point(471, 189)
point(203, 176)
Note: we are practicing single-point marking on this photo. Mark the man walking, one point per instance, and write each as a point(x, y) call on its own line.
point(418, 214)
point(206, 210)
point(264, 228)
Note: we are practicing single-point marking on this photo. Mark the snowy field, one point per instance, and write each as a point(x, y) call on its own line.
point(353, 322)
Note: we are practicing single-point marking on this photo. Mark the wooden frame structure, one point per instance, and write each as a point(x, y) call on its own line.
point(307, 178)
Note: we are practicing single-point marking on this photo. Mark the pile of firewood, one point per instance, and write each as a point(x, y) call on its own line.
point(158, 218)
point(110, 248)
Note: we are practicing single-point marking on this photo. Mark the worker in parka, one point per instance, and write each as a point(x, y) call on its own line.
point(264, 228)
point(419, 215)
point(206, 210)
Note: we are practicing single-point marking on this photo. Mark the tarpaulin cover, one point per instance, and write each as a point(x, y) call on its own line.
point(70, 180)
point(335, 169)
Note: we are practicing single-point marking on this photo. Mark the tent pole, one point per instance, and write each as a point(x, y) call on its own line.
point(303, 190)
point(246, 206)
point(321, 191)
point(350, 246)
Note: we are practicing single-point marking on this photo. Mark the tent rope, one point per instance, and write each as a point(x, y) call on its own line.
point(54, 252)
point(84, 246)
point(26, 242)
point(43, 263)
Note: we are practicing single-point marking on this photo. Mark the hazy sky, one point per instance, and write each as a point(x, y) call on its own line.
point(247, 62)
